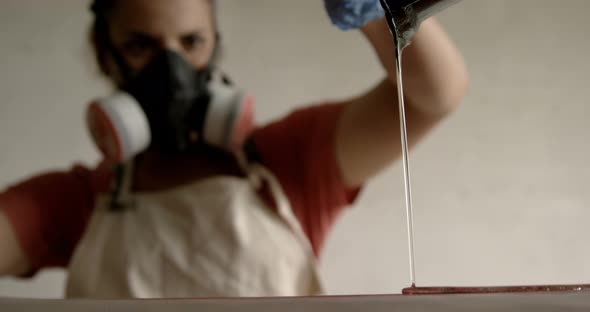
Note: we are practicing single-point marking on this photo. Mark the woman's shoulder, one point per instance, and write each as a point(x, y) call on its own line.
point(299, 123)
point(326, 109)
point(93, 178)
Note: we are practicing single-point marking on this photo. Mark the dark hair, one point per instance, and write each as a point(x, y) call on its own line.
point(100, 38)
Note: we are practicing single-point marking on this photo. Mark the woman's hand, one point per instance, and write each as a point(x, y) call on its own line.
point(12, 258)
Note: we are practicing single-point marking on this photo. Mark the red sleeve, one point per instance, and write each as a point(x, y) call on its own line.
point(300, 151)
point(49, 213)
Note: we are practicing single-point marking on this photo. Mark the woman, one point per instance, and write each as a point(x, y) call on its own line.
point(188, 218)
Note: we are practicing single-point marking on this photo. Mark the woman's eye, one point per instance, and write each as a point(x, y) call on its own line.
point(191, 42)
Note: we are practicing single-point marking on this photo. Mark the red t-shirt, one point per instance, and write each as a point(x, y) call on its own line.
point(49, 212)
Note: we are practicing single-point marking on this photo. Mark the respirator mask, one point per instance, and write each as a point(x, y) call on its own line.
point(171, 107)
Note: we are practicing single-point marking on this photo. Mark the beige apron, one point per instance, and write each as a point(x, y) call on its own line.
point(212, 238)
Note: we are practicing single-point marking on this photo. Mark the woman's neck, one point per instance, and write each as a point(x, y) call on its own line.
point(155, 171)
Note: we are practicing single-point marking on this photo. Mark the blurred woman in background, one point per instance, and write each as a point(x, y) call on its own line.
point(192, 200)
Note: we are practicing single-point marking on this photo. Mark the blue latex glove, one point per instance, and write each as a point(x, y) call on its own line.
point(353, 14)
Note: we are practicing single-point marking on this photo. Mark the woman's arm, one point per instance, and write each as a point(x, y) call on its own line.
point(12, 258)
point(43, 217)
point(435, 82)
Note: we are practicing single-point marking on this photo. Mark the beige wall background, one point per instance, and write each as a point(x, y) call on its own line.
point(501, 189)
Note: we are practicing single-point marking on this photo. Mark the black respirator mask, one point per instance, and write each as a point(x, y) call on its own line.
point(172, 107)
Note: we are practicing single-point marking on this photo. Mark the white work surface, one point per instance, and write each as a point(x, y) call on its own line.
point(538, 302)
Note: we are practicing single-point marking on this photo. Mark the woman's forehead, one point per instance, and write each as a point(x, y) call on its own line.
point(163, 17)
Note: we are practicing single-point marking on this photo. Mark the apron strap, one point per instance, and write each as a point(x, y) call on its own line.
point(259, 174)
point(286, 213)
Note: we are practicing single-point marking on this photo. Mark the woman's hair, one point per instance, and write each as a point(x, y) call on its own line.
point(99, 32)
point(100, 38)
